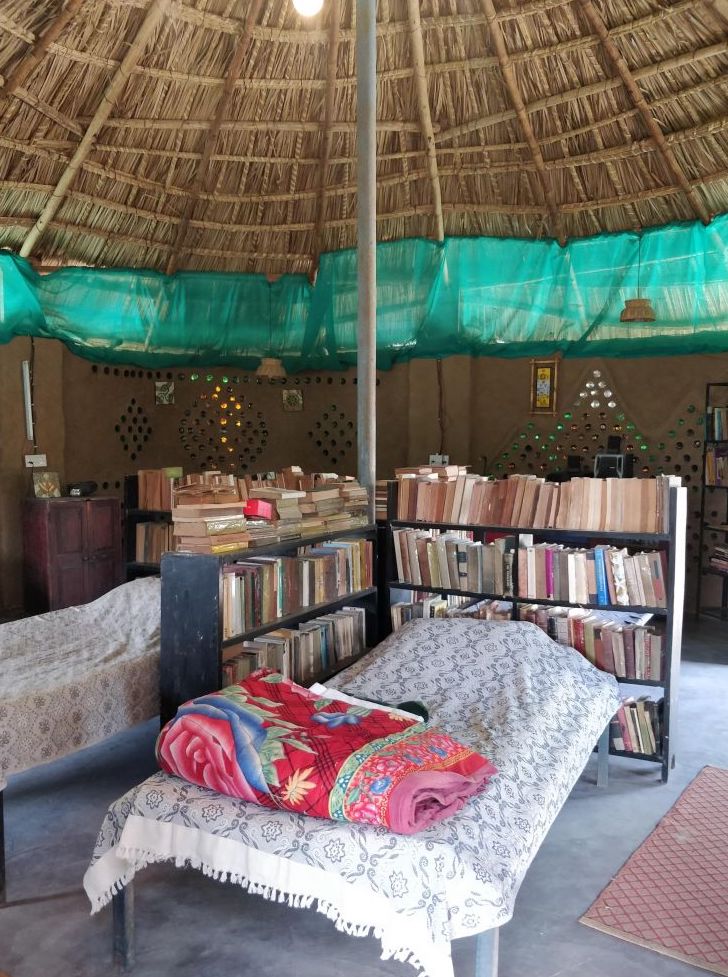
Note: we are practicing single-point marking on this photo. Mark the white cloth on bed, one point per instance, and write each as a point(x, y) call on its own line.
point(535, 708)
point(72, 677)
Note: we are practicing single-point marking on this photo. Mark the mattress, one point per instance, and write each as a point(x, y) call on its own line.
point(534, 707)
point(72, 677)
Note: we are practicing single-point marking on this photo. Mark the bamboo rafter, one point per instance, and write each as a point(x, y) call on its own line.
point(326, 134)
point(559, 48)
point(39, 49)
point(423, 107)
point(586, 91)
point(628, 79)
point(223, 105)
point(509, 77)
point(278, 182)
point(156, 11)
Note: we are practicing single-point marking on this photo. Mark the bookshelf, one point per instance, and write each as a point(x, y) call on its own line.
point(193, 639)
point(133, 517)
point(714, 494)
point(668, 617)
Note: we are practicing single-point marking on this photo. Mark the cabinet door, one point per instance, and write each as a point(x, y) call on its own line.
point(102, 527)
point(67, 584)
point(103, 546)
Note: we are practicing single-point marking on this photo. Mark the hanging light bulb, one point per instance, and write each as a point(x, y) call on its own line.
point(308, 8)
point(270, 367)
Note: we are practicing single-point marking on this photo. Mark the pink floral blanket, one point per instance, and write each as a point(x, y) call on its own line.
point(277, 744)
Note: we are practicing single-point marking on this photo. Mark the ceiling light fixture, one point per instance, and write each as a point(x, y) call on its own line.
point(308, 8)
point(639, 309)
point(271, 369)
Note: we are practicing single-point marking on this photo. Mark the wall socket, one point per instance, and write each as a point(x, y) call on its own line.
point(439, 460)
point(36, 461)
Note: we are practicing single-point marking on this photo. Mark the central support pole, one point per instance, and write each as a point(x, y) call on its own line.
point(366, 136)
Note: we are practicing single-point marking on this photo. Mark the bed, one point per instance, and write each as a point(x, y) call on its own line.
point(73, 677)
point(534, 707)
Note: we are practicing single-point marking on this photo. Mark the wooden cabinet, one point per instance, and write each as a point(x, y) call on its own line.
point(72, 551)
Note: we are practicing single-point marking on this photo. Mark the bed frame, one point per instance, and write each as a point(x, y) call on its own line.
point(486, 943)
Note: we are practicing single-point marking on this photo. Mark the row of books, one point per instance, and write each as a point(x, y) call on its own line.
point(300, 653)
point(152, 539)
point(637, 726)
point(454, 561)
point(437, 605)
point(155, 487)
point(716, 464)
point(600, 575)
point(716, 423)
point(260, 590)
point(718, 559)
point(451, 495)
point(616, 642)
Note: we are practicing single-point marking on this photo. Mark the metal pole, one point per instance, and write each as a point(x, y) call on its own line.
point(366, 135)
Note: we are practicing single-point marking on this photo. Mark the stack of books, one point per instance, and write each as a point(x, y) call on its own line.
point(155, 487)
point(454, 561)
point(302, 653)
point(208, 488)
point(451, 495)
point(259, 590)
point(601, 575)
point(279, 506)
point(637, 726)
point(615, 642)
point(718, 559)
point(210, 528)
point(381, 491)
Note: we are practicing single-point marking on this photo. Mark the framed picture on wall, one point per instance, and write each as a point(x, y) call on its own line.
point(544, 375)
point(46, 485)
point(163, 392)
point(292, 399)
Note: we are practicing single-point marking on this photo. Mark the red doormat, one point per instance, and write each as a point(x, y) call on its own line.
point(672, 894)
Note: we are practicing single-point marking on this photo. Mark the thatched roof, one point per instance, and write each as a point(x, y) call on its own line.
point(220, 134)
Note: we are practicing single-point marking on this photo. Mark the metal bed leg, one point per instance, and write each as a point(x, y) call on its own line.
point(486, 953)
point(123, 914)
point(603, 758)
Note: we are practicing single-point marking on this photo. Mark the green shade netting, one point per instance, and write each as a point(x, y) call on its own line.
point(474, 296)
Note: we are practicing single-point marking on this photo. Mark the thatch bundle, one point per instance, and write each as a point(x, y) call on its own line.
point(220, 134)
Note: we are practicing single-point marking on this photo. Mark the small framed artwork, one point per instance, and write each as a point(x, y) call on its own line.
point(163, 392)
point(46, 485)
point(544, 375)
point(292, 399)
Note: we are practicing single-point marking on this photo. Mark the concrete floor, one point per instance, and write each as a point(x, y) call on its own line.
point(189, 925)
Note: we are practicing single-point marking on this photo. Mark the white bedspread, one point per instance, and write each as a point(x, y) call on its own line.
point(72, 677)
point(532, 706)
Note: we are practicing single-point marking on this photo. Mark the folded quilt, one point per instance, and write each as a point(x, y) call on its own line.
point(274, 743)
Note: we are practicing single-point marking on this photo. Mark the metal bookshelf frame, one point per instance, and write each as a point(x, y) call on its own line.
point(722, 612)
point(674, 544)
point(192, 644)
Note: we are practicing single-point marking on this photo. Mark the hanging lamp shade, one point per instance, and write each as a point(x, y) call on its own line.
point(271, 368)
point(637, 310)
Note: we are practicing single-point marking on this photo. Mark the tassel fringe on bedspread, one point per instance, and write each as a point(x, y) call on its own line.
point(117, 868)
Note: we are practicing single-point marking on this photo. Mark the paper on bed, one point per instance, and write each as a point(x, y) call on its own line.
point(329, 692)
point(536, 708)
